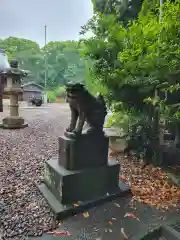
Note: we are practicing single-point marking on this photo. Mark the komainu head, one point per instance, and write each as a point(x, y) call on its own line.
point(74, 91)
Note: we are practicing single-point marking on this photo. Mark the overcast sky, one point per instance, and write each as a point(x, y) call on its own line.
point(26, 18)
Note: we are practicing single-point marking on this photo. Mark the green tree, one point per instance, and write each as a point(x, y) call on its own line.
point(120, 57)
point(132, 61)
point(64, 62)
point(124, 10)
point(15, 45)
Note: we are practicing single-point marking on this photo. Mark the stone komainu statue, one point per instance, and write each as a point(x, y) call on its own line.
point(84, 108)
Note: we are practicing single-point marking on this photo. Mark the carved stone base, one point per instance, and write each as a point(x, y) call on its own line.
point(13, 122)
point(63, 188)
point(63, 211)
point(72, 186)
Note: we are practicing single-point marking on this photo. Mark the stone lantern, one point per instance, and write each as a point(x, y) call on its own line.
point(4, 66)
point(13, 88)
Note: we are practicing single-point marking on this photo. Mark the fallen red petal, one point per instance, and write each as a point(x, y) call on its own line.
point(60, 233)
point(122, 178)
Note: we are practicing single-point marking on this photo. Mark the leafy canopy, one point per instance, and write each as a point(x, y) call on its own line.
point(137, 58)
point(64, 62)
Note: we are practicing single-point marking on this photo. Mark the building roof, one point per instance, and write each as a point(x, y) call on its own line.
point(33, 83)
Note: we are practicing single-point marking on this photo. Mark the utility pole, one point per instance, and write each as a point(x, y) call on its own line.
point(45, 64)
point(45, 57)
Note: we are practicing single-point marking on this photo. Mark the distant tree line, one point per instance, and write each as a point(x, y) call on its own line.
point(64, 62)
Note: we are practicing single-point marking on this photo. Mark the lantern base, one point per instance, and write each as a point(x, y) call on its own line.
point(13, 122)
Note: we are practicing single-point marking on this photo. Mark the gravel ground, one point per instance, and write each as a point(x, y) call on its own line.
point(22, 209)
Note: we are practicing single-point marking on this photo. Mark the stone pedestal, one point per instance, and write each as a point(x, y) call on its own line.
point(82, 174)
point(86, 151)
point(14, 122)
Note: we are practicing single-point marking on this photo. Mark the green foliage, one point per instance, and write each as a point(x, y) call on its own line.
point(91, 82)
point(140, 56)
point(124, 10)
point(126, 119)
point(64, 62)
point(51, 96)
point(132, 60)
point(60, 91)
point(120, 120)
point(14, 45)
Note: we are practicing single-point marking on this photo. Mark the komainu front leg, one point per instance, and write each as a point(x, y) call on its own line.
point(74, 117)
point(80, 124)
